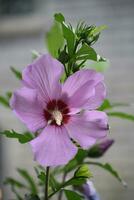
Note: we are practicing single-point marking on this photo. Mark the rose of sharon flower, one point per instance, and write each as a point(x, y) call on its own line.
point(60, 112)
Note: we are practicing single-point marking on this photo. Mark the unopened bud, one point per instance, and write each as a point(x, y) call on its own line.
point(99, 149)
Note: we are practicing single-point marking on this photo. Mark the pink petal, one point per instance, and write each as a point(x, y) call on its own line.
point(81, 86)
point(96, 100)
point(44, 75)
point(53, 147)
point(85, 128)
point(27, 107)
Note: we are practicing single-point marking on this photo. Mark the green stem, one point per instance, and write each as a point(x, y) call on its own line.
point(47, 183)
point(63, 180)
point(61, 187)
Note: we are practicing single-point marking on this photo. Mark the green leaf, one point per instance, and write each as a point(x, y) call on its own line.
point(72, 181)
point(86, 52)
point(16, 72)
point(76, 181)
point(29, 180)
point(22, 138)
point(52, 181)
point(73, 163)
point(110, 169)
point(54, 39)
point(71, 195)
point(80, 176)
point(8, 95)
point(42, 176)
point(59, 17)
point(69, 35)
point(83, 171)
point(15, 183)
point(106, 105)
point(70, 166)
point(121, 115)
point(17, 194)
point(98, 29)
point(31, 197)
point(100, 66)
point(4, 101)
point(81, 155)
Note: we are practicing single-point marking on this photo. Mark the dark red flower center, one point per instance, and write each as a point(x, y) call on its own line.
point(56, 112)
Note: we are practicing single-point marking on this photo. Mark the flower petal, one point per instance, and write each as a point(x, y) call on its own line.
point(87, 127)
point(44, 75)
point(27, 107)
point(81, 86)
point(53, 146)
point(96, 100)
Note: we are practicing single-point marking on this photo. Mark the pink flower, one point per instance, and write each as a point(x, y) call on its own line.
point(60, 111)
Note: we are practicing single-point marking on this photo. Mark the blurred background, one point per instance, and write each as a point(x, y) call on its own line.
point(22, 27)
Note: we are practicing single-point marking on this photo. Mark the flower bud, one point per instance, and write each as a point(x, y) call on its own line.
point(88, 190)
point(99, 149)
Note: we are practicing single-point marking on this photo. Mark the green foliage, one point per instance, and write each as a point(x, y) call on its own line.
point(31, 197)
point(106, 105)
point(52, 182)
point(42, 176)
point(100, 66)
point(75, 181)
point(88, 34)
point(78, 160)
point(81, 155)
point(70, 38)
point(68, 33)
point(71, 195)
point(83, 171)
point(30, 181)
point(22, 138)
point(98, 29)
point(121, 115)
point(83, 30)
point(30, 187)
point(16, 72)
point(80, 176)
point(108, 167)
point(59, 17)
point(4, 100)
point(86, 52)
point(15, 183)
point(77, 45)
point(54, 39)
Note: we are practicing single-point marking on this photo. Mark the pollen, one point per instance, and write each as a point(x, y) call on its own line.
point(57, 116)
